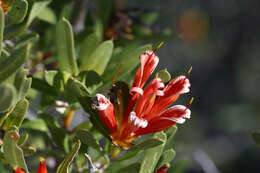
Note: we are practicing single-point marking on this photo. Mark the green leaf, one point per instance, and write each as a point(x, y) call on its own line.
point(48, 15)
point(132, 168)
point(36, 10)
point(58, 134)
point(23, 139)
point(65, 164)
point(65, 47)
point(17, 13)
point(92, 80)
point(22, 84)
point(8, 97)
point(153, 155)
point(57, 79)
point(129, 154)
point(76, 87)
point(13, 31)
point(26, 39)
point(12, 152)
point(2, 25)
point(44, 87)
point(82, 126)
point(87, 138)
point(256, 137)
point(167, 157)
point(10, 65)
point(17, 116)
point(148, 143)
point(129, 60)
point(164, 75)
point(35, 124)
point(87, 47)
point(170, 132)
point(99, 58)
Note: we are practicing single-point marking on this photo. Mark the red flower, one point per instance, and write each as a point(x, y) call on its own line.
point(42, 166)
point(147, 109)
point(163, 169)
point(19, 170)
point(4, 6)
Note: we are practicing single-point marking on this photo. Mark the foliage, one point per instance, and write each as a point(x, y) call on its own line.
point(52, 63)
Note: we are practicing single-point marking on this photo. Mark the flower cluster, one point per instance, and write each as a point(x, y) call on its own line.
point(147, 107)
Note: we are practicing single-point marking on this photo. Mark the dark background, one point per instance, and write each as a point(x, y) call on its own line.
point(221, 40)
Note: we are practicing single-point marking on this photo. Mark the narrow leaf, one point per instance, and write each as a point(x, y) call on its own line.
point(167, 157)
point(148, 143)
point(170, 132)
point(8, 97)
point(10, 65)
point(26, 39)
point(36, 10)
point(13, 154)
point(65, 164)
point(22, 84)
point(99, 58)
point(23, 139)
point(87, 47)
point(17, 116)
point(87, 138)
point(153, 155)
point(48, 15)
point(132, 168)
point(17, 13)
point(65, 46)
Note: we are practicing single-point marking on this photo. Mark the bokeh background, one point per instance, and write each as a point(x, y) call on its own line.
point(221, 40)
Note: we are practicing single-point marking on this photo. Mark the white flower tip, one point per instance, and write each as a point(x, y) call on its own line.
point(137, 121)
point(100, 102)
point(136, 90)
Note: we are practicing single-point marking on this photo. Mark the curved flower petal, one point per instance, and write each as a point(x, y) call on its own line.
point(171, 116)
point(146, 101)
point(148, 64)
point(172, 91)
point(106, 111)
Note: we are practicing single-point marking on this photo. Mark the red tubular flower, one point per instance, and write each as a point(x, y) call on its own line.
point(163, 169)
point(42, 166)
point(19, 170)
point(147, 109)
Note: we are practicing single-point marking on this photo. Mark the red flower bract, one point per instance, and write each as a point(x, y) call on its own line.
point(42, 167)
point(147, 108)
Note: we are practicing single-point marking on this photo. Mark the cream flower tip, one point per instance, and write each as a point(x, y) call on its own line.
point(137, 121)
point(100, 102)
point(159, 93)
point(149, 52)
point(179, 120)
point(187, 114)
point(136, 90)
